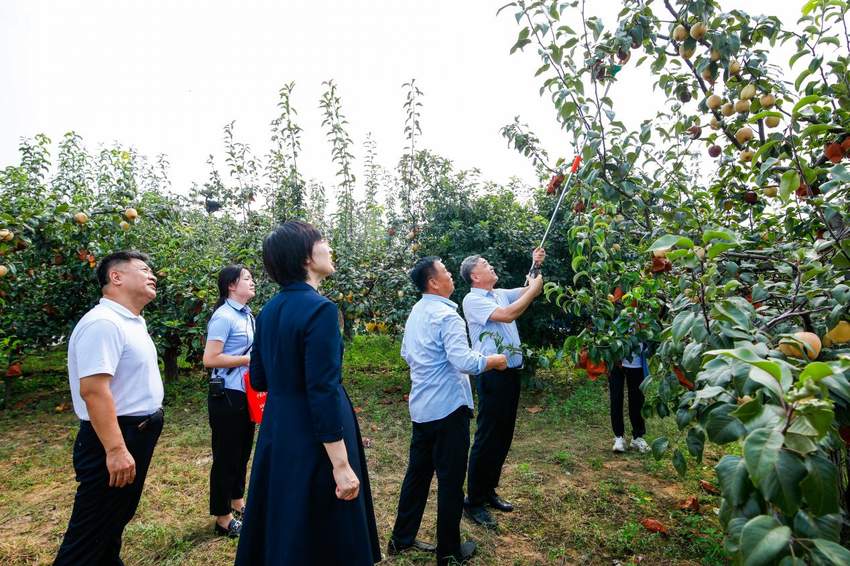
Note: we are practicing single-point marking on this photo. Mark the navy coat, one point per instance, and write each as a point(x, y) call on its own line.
point(293, 516)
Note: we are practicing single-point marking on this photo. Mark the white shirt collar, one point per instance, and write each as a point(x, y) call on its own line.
point(120, 309)
point(238, 306)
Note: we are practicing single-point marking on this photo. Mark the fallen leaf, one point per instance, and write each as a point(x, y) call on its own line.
point(397, 388)
point(356, 409)
point(690, 504)
point(406, 397)
point(374, 427)
point(654, 526)
point(534, 409)
point(708, 488)
point(388, 390)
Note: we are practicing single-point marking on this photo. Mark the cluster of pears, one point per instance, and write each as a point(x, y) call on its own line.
point(715, 103)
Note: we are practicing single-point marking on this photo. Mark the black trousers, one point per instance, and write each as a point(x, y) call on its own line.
point(232, 442)
point(439, 445)
point(101, 512)
point(498, 400)
point(632, 377)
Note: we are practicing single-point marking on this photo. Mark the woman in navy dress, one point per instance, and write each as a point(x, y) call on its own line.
point(309, 501)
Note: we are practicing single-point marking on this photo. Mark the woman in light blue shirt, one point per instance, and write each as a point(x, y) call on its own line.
point(230, 334)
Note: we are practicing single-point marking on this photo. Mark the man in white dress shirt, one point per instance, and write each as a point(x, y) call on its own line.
point(117, 392)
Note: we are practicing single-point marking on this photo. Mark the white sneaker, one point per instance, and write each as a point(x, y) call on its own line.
point(619, 444)
point(640, 444)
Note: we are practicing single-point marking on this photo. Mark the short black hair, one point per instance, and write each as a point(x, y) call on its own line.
point(423, 270)
point(286, 250)
point(107, 263)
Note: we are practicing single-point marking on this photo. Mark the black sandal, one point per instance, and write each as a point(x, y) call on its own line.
point(238, 513)
point(232, 531)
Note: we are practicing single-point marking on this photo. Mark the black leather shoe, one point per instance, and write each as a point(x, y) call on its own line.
point(479, 516)
point(464, 554)
point(497, 502)
point(234, 528)
point(395, 548)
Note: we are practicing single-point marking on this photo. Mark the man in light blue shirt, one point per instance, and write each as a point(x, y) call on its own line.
point(491, 315)
point(436, 348)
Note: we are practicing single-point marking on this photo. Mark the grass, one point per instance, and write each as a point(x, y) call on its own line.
point(577, 503)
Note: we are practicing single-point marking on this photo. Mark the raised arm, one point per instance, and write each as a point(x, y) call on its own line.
point(515, 309)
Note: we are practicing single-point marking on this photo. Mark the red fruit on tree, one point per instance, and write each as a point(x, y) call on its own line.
point(750, 197)
point(714, 151)
point(833, 152)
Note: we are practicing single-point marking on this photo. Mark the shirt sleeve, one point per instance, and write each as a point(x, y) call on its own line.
point(478, 308)
point(460, 355)
point(99, 348)
point(512, 294)
point(218, 327)
point(323, 369)
point(256, 369)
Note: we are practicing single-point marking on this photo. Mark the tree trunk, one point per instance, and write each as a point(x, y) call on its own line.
point(169, 357)
point(7, 395)
point(347, 328)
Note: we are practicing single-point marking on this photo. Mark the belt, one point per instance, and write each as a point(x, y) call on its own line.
point(142, 422)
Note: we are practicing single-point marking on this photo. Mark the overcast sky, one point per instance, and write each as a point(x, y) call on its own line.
point(166, 76)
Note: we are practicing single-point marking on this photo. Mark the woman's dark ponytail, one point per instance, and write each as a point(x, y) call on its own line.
point(227, 277)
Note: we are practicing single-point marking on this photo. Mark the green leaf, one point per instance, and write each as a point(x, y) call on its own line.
point(816, 371)
point(792, 561)
point(679, 462)
point(782, 485)
point(734, 479)
point(577, 261)
point(835, 553)
point(838, 384)
point(719, 233)
point(766, 147)
point(722, 427)
point(790, 182)
point(670, 240)
point(839, 172)
point(682, 325)
point(762, 539)
point(659, 447)
point(778, 369)
point(761, 451)
point(719, 248)
point(805, 101)
point(696, 443)
point(828, 526)
point(815, 129)
point(767, 380)
point(820, 487)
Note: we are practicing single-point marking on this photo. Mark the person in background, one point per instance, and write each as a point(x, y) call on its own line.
point(494, 311)
point(230, 334)
point(117, 393)
point(436, 348)
point(629, 373)
point(309, 502)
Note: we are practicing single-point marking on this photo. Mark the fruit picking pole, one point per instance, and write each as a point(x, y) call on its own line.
point(535, 268)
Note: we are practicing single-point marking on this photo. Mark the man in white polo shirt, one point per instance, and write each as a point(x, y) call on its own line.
point(117, 392)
